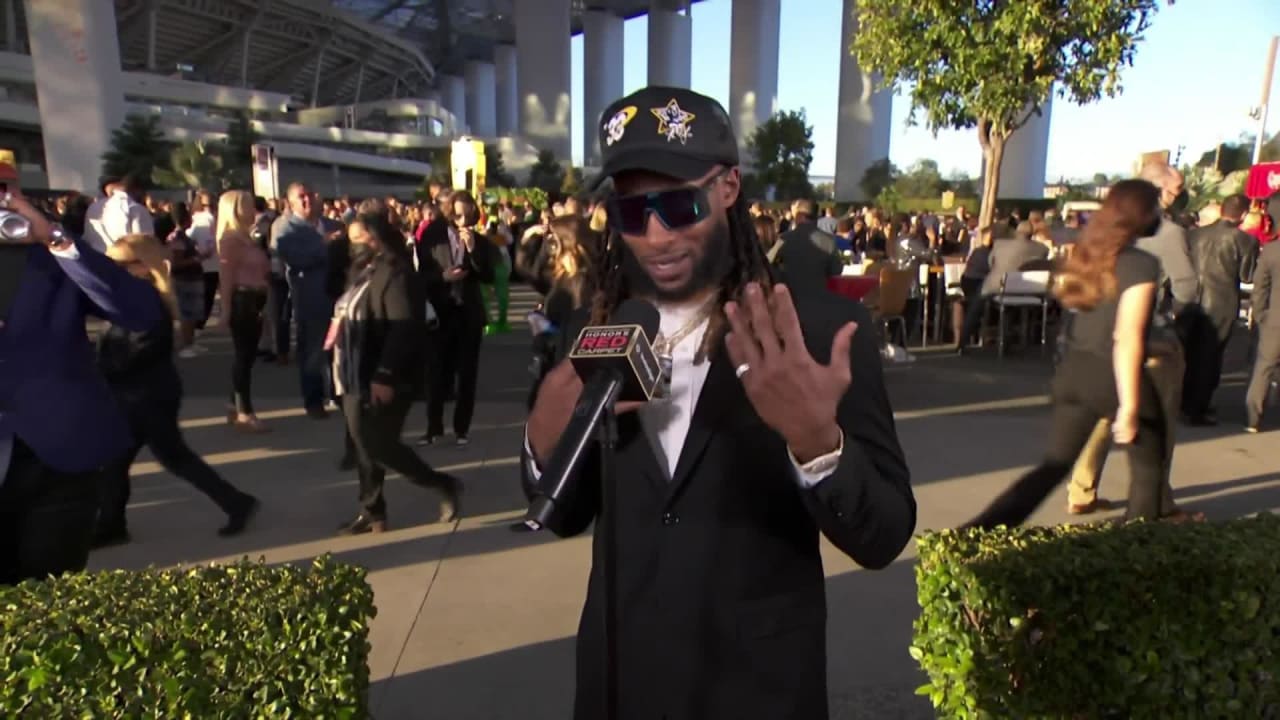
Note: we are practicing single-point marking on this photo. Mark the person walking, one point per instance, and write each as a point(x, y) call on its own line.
point(1112, 286)
point(376, 337)
point(140, 368)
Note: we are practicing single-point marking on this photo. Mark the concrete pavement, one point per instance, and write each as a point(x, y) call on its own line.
point(477, 622)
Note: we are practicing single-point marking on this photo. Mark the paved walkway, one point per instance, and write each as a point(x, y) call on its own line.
point(467, 608)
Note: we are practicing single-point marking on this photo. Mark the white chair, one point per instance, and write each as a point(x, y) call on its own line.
point(1025, 290)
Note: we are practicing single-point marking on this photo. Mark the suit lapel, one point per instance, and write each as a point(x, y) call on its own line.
point(716, 396)
point(634, 445)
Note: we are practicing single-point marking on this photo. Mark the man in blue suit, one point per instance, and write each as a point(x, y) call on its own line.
point(305, 241)
point(58, 420)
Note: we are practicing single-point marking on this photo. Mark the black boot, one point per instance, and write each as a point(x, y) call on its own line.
point(238, 519)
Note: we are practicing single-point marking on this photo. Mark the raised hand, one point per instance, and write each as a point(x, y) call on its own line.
point(791, 391)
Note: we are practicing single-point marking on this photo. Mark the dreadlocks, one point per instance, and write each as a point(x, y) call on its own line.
point(748, 264)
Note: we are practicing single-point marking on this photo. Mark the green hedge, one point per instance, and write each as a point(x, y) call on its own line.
point(1145, 620)
point(231, 641)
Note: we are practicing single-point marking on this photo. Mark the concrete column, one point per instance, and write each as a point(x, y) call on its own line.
point(10, 25)
point(152, 21)
point(482, 95)
point(542, 51)
point(453, 95)
point(78, 86)
point(602, 62)
point(506, 102)
point(670, 43)
point(753, 67)
point(863, 118)
point(1026, 158)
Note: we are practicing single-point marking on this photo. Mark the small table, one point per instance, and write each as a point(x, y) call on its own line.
point(854, 287)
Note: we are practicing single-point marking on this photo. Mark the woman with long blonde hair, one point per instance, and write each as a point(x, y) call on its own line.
point(140, 368)
point(244, 275)
point(1110, 285)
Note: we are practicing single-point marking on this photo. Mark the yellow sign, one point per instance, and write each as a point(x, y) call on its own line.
point(948, 200)
point(468, 164)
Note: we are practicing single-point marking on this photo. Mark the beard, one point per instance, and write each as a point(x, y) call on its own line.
point(710, 269)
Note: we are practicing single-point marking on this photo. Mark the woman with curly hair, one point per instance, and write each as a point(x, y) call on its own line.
point(1110, 285)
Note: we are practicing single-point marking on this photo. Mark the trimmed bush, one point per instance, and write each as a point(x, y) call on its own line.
point(1144, 620)
point(230, 641)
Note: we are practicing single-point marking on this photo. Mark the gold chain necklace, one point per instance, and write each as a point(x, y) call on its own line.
point(666, 344)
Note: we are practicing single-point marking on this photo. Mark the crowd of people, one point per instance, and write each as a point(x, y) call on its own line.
point(300, 262)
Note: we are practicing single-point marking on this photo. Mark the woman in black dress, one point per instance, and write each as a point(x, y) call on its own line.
point(1111, 285)
point(377, 337)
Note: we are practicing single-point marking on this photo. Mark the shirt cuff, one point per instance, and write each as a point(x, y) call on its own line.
point(530, 463)
point(816, 470)
point(70, 252)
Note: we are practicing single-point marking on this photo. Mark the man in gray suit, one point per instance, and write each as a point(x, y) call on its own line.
point(1008, 255)
point(1266, 318)
point(805, 255)
point(1166, 363)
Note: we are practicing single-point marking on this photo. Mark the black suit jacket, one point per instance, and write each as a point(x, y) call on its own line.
point(478, 263)
point(1224, 257)
point(391, 341)
point(722, 605)
point(808, 257)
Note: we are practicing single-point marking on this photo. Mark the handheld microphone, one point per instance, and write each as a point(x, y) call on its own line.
point(616, 362)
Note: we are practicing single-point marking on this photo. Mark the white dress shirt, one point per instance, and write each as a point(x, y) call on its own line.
point(201, 233)
point(666, 422)
point(117, 217)
point(94, 233)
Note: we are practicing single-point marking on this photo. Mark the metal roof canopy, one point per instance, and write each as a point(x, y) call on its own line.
point(325, 52)
point(452, 32)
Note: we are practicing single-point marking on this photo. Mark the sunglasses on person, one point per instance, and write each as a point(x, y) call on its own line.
point(676, 208)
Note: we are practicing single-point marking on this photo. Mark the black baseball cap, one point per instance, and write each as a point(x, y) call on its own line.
point(669, 131)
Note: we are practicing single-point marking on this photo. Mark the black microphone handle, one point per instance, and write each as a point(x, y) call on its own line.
point(561, 472)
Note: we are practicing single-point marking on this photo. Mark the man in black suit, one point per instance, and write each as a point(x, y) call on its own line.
point(461, 262)
point(1224, 256)
point(777, 428)
point(806, 255)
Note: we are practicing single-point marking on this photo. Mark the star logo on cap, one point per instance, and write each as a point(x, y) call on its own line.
point(674, 122)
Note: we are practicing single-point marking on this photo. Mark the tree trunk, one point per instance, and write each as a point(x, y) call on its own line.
point(993, 155)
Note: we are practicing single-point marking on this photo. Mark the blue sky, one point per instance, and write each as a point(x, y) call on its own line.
point(1192, 83)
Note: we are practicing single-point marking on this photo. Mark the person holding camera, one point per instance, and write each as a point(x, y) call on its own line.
point(58, 420)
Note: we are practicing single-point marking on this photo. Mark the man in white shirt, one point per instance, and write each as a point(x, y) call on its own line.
point(120, 212)
point(776, 429)
point(202, 234)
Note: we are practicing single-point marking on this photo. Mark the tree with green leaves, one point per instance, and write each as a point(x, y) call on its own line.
point(962, 185)
point(782, 149)
point(546, 173)
point(193, 166)
point(236, 154)
point(921, 180)
point(993, 65)
point(878, 176)
point(495, 172)
point(137, 148)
